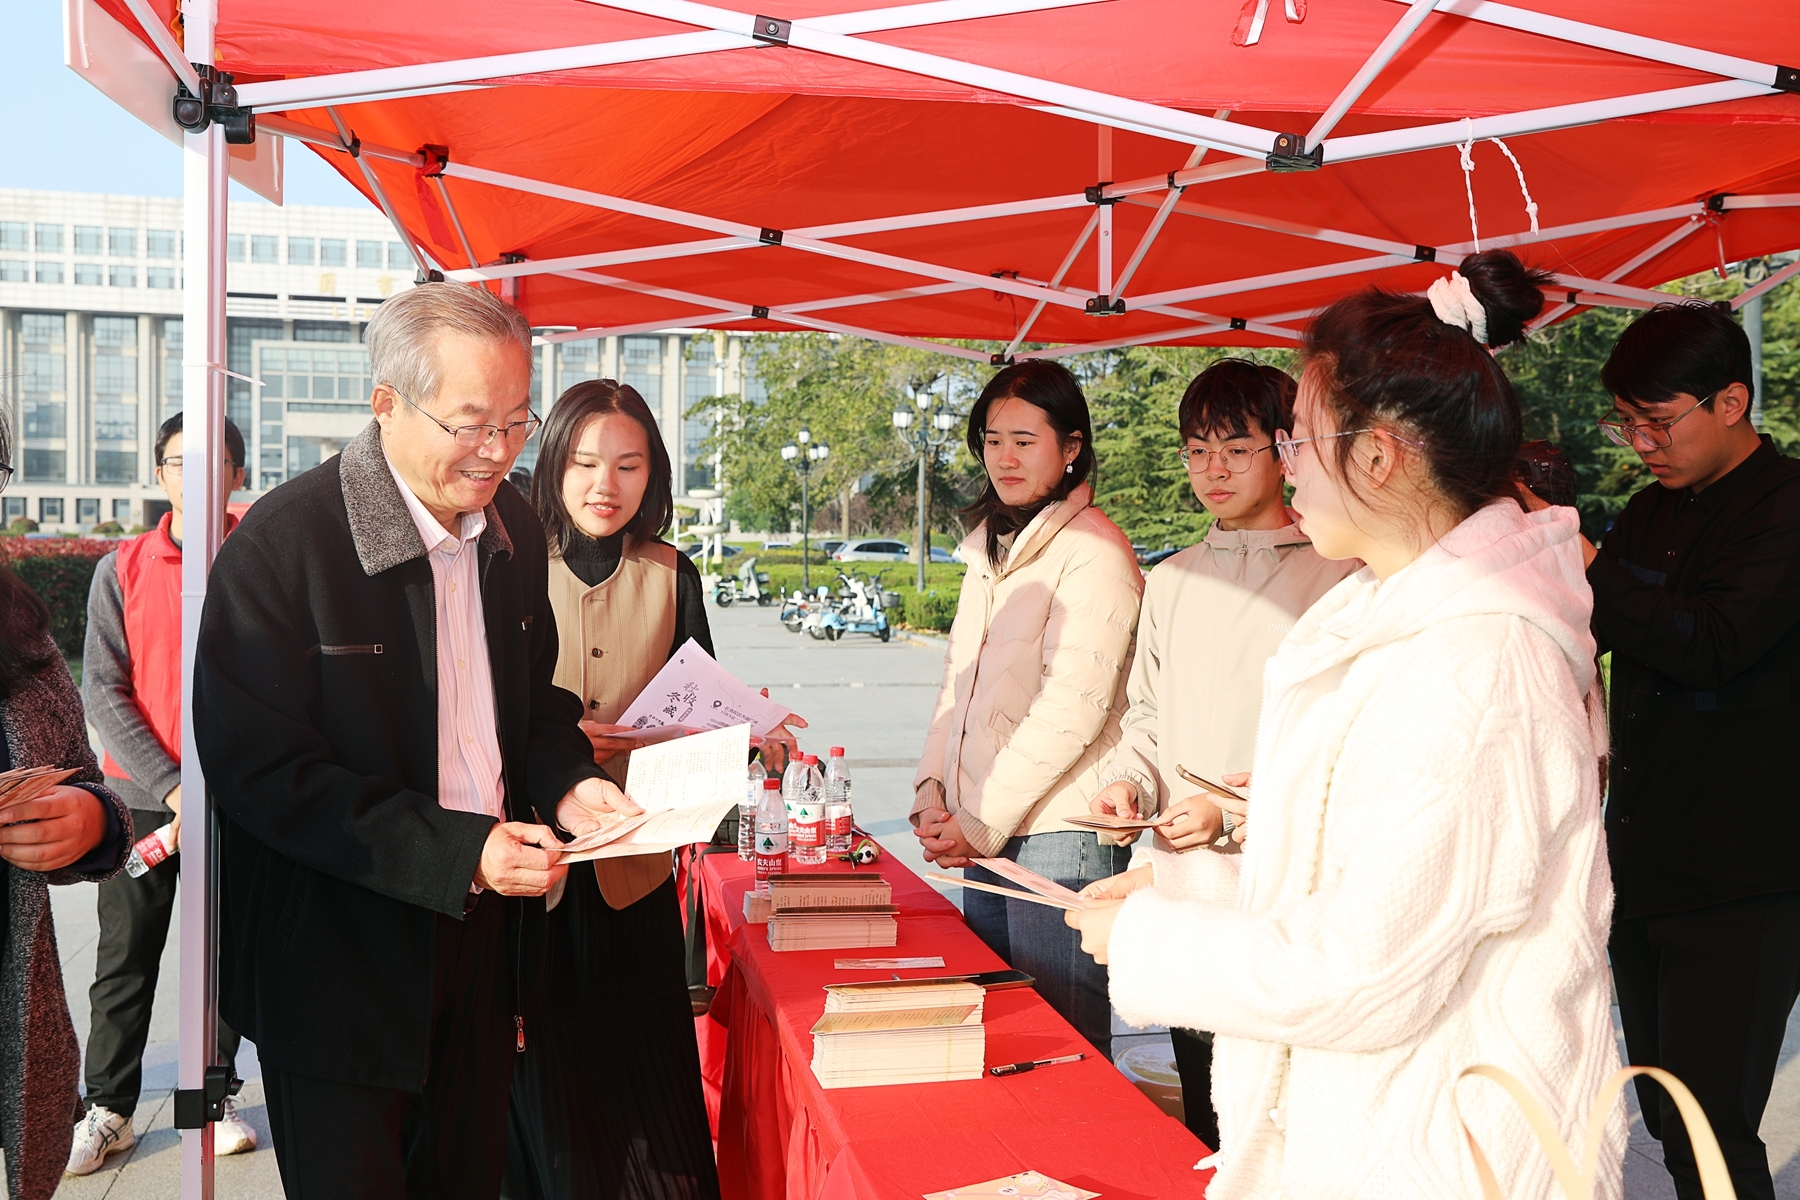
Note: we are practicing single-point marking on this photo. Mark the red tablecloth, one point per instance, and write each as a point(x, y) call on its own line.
point(781, 1135)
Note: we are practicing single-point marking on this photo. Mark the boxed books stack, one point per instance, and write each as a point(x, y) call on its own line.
point(831, 912)
point(899, 1031)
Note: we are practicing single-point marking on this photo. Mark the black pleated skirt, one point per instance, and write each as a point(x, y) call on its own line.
point(606, 1099)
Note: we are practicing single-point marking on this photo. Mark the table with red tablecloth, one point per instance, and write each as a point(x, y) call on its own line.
point(780, 1134)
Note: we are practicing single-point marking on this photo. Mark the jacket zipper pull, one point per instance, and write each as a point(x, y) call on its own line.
point(520, 1023)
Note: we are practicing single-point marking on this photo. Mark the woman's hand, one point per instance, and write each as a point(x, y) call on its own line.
point(1239, 809)
point(605, 744)
point(1117, 800)
point(1119, 886)
point(48, 833)
point(942, 839)
point(173, 800)
point(787, 733)
point(590, 803)
point(1096, 925)
point(1195, 821)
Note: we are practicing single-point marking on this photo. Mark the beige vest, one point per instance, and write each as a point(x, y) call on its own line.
point(612, 640)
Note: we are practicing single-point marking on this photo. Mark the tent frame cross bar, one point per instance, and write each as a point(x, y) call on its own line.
point(609, 258)
point(892, 339)
point(455, 220)
point(1162, 214)
point(165, 44)
point(1375, 64)
point(1775, 280)
point(425, 261)
point(1681, 232)
point(1276, 279)
point(1607, 287)
point(325, 138)
point(602, 331)
point(1062, 271)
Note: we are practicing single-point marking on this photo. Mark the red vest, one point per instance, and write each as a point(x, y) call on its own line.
point(149, 569)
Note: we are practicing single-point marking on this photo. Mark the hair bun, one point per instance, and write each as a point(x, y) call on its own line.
point(1510, 291)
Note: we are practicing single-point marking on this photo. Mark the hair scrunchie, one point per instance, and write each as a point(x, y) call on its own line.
point(1455, 304)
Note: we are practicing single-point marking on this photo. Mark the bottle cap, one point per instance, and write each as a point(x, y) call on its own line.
point(771, 784)
point(837, 752)
point(812, 760)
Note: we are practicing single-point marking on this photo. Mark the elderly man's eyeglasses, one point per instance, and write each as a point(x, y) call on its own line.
point(471, 436)
point(1654, 434)
point(173, 463)
point(1235, 459)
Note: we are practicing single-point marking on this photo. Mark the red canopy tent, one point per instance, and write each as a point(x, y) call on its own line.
point(1053, 175)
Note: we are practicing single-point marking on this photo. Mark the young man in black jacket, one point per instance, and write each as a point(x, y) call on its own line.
point(1697, 595)
point(374, 710)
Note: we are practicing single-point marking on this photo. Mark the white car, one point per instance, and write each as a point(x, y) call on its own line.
point(874, 550)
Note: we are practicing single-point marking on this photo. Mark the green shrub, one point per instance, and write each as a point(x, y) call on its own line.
point(109, 529)
point(60, 570)
point(22, 525)
point(930, 609)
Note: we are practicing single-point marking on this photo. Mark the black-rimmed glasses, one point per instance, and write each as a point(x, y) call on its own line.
point(472, 436)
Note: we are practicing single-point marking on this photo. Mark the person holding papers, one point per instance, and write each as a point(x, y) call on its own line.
point(1424, 884)
point(1034, 682)
point(1212, 616)
point(607, 1102)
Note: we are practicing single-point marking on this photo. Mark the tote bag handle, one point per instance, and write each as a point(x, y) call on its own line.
point(1578, 1181)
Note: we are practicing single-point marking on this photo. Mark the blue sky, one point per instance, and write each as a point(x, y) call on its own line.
point(79, 141)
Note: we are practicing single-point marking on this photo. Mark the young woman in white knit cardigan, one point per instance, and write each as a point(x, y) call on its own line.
point(1424, 884)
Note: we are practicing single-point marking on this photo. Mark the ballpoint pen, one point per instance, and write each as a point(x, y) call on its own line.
point(1019, 1068)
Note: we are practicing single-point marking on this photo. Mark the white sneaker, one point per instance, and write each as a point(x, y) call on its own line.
point(100, 1133)
point(231, 1133)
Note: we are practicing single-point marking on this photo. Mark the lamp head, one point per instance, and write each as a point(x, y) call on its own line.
point(804, 436)
point(790, 452)
point(902, 418)
point(945, 420)
point(819, 453)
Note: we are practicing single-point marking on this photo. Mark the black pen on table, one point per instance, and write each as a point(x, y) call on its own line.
point(1020, 1068)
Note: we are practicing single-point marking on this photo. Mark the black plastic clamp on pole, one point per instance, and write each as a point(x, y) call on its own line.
point(1290, 155)
point(1000, 360)
point(772, 31)
point(1715, 203)
point(769, 237)
point(1574, 298)
point(195, 1108)
point(1239, 323)
point(217, 101)
point(434, 159)
point(1424, 253)
point(424, 276)
point(1787, 79)
point(759, 311)
point(1097, 193)
point(1103, 306)
point(354, 149)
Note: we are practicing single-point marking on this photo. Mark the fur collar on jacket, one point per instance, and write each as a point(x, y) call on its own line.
point(382, 529)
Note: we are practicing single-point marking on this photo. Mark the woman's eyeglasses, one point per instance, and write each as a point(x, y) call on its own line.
point(1289, 447)
point(1235, 459)
point(1654, 434)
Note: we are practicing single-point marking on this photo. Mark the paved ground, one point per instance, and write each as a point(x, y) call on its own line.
point(871, 698)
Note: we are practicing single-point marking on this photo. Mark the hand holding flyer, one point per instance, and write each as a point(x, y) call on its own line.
point(685, 788)
point(693, 689)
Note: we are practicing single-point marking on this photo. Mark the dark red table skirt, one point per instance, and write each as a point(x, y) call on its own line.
point(779, 1134)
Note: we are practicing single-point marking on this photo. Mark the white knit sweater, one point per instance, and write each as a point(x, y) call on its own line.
point(1424, 887)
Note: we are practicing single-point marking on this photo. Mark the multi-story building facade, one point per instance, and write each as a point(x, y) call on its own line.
point(91, 349)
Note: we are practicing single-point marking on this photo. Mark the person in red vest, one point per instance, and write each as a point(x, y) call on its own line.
point(131, 683)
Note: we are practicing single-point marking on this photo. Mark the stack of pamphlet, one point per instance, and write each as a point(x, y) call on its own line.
point(899, 1031)
point(838, 911)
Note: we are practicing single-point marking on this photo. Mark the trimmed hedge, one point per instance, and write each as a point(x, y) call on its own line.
point(930, 609)
point(60, 570)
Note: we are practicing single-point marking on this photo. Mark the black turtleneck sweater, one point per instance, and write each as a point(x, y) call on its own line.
point(595, 559)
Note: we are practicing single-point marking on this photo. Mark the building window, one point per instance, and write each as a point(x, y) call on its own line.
point(174, 375)
point(240, 334)
point(643, 368)
point(234, 247)
point(49, 272)
point(44, 393)
point(121, 511)
point(87, 239)
point(160, 243)
point(577, 362)
point(121, 243)
point(14, 271)
point(87, 511)
point(115, 374)
point(115, 466)
point(265, 248)
point(271, 479)
point(88, 274)
point(50, 239)
point(50, 510)
point(300, 252)
point(399, 257)
point(321, 331)
point(159, 277)
point(14, 235)
point(119, 276)
point(333, 252)
point(13, 509)
point(368, 254)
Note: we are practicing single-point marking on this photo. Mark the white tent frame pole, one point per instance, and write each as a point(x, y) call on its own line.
point(946, 216)
point(1668, 240)
point(1375, 64)
point(1068, 263)
point(930, 289)
point(601, 331)
point(1293, 228)
point(892, 339)
point(1607, 287)
point(1162, 214)
point(1550, 233)
point(456, 222)
point(661, 293)
point(1600, 37)
point(1256, 283)
point(425, 261)
point(1774, 200)
point(324, 138)
point(206, 184)
point(610, 258)
point(164, 41)
point(1768, 285)
point(1118, 343)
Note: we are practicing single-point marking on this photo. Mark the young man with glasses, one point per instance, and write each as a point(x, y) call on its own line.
point(1211, 616)
point(1697, 596)
point(131, 685)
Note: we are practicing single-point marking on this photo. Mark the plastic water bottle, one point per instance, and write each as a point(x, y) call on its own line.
point(839, 818)
point(771, 835)
point(809, 817)
point(753, 791)
point(151, 850)
point(793, 783)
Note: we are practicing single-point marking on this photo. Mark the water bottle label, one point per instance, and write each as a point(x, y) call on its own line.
point(809, 833)
point(840, 826)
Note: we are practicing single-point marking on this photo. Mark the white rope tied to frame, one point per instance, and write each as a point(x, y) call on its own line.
point(1467, 150)
point(1454, 302)
point(1531, 209)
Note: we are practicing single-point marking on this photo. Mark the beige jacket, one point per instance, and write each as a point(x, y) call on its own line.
point(1034, 679)
point(1213, 615)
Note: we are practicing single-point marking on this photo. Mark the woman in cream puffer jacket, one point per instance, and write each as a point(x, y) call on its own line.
point(1034, 685)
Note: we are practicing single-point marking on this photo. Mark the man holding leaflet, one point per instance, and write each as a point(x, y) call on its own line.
point(375, 713)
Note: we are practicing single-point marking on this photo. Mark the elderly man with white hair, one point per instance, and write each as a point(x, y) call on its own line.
point(374, 709)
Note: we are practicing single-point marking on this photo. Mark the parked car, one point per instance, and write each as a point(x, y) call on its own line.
point(779, 545)
point(1156, 556)
point(830, 546)
point(873, 550)
point(695, 549)
point(941, 555)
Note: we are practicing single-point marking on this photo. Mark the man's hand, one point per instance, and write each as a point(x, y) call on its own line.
point(173, 800)
point(1096, 927)
point(1117, 800)
point(1195, 821)
point(589, 803)
point(519, 860)
point(52, 831)
point(605, 745)
point(1119, 886)
point(786, 732)
point(942, 839)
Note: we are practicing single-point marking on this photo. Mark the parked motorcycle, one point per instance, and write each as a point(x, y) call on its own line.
point(749, 584)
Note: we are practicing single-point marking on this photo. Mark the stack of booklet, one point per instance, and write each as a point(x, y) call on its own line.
point(899, 1031)
point(831, 912)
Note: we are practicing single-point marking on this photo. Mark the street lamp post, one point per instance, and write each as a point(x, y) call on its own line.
point(801, 454)
point(924, 439)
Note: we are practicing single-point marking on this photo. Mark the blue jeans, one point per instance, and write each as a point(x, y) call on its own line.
point(1033, 938)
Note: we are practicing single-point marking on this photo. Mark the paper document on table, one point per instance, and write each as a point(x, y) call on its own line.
point(693, 689)
point(1027, 1185)
point(1025, 877)
point(685, 788)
